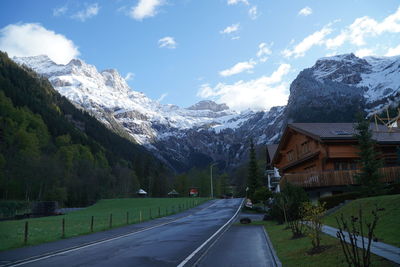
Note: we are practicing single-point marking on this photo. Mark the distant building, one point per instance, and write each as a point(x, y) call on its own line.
point(323, 156)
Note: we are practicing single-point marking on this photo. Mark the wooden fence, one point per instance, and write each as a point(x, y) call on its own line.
point(336, 178)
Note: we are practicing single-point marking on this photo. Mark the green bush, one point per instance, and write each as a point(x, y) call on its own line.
point(10, 208)
point(393, 189)
point(335, 200)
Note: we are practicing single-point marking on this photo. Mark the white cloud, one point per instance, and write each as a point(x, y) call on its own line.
point(365, 27)
point(253, 12)
point(235, 38)
point(231, 29)
point(305, 11)
point(364, 52)
point(129, 76)
point(235, 2)
point(167, 42)
point(161, 98)
point(60, 11)
point(264, 50)
point(145, 9)
point(90, 11)
point(394, 51)
point(262, 93)
point(317, 38)
point(32, 39)
point(238, 68)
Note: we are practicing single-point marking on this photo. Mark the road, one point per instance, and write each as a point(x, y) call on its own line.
point(173, 243)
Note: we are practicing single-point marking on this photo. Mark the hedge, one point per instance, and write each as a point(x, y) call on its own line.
point(335, 200)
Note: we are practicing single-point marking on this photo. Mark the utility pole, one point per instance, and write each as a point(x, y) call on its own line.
point(211, 179)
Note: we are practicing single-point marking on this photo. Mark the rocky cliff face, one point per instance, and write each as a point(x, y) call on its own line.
point(334, 89)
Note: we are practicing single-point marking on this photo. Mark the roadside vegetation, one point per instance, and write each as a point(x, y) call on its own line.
point(389, 221)
point(296, 252)
point(124, 211)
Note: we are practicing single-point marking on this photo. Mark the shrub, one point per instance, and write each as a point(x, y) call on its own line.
point(10, 208)
point(313, 215)
point(335, 200)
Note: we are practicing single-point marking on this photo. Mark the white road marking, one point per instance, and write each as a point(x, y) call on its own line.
point(188, 258)
point(43, 257)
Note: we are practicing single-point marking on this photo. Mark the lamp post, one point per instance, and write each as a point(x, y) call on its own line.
point(211, 179)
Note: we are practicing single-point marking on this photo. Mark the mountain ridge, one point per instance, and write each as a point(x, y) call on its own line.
point(334, 89)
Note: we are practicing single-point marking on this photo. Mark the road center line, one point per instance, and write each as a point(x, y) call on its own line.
point(52, 254)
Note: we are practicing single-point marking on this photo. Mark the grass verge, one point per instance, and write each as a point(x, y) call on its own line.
point(294, 252)
point(124, 211)
point(389, 220)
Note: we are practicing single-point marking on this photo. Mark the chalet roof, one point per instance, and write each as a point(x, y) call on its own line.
point(272, 150)
point(345, 131)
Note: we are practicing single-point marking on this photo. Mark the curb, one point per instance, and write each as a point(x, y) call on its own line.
point(278, 263)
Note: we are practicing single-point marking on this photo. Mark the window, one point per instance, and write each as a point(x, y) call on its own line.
point(290, 155)
point(305, 147)
point(311, 168)
point(345, 165)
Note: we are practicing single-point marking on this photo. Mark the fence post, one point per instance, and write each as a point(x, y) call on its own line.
point(127, 217)
point(159, 212)
point(150, 213)
point(26, 233)
point(91, 224)
point(110, 220)
point(63, 228)
point(140, 216)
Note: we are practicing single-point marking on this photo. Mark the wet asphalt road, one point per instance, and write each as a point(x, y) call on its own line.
point(166, 245)
point(240, 246)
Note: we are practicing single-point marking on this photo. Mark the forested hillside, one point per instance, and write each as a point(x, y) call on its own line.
point(50, 150)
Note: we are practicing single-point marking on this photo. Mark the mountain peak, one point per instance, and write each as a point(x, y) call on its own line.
point(209, 105)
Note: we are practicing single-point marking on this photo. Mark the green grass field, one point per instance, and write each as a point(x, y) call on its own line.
point(46, 229)
point(293, 252)
point(387, 229)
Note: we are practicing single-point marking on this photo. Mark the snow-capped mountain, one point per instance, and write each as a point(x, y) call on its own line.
point(338, 87)
point(201, 133)
point(334, 89)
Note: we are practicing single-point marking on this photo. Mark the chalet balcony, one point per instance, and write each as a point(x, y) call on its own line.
point(336, 178)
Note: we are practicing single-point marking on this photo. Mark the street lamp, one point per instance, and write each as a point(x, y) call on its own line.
point(211, 179)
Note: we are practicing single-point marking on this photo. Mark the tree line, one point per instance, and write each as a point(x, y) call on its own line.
point(50, 150)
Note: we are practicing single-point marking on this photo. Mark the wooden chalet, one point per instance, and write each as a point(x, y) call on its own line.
point(317, 155)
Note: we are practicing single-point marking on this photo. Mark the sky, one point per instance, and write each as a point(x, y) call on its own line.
point(244, 53)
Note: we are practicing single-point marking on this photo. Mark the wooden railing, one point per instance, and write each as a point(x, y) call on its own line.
point(336, 178)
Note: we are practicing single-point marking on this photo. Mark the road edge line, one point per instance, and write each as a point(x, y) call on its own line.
point(90, 244)
point(188, 258)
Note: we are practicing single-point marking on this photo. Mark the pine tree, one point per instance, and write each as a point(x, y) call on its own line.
point(253, 179)
point(370, 164)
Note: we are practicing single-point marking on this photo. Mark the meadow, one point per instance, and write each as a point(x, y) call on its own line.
point(106, 214)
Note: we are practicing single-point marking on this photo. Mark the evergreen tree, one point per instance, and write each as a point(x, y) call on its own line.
point(253, 178)
point(370, 164)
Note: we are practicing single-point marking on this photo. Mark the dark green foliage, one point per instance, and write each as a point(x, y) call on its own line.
point(50, 150)
point(287, 204)
point(398, 156)
point(369, 160)
point(294, 196)
point(253, 176)
point(11, 208)
point(335, 200)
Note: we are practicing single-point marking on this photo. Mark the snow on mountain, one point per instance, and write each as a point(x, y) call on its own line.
point(379, 77)
point(177, 135)
point(333, 90)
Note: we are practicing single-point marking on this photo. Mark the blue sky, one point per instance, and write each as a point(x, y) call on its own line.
point(241, 52)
